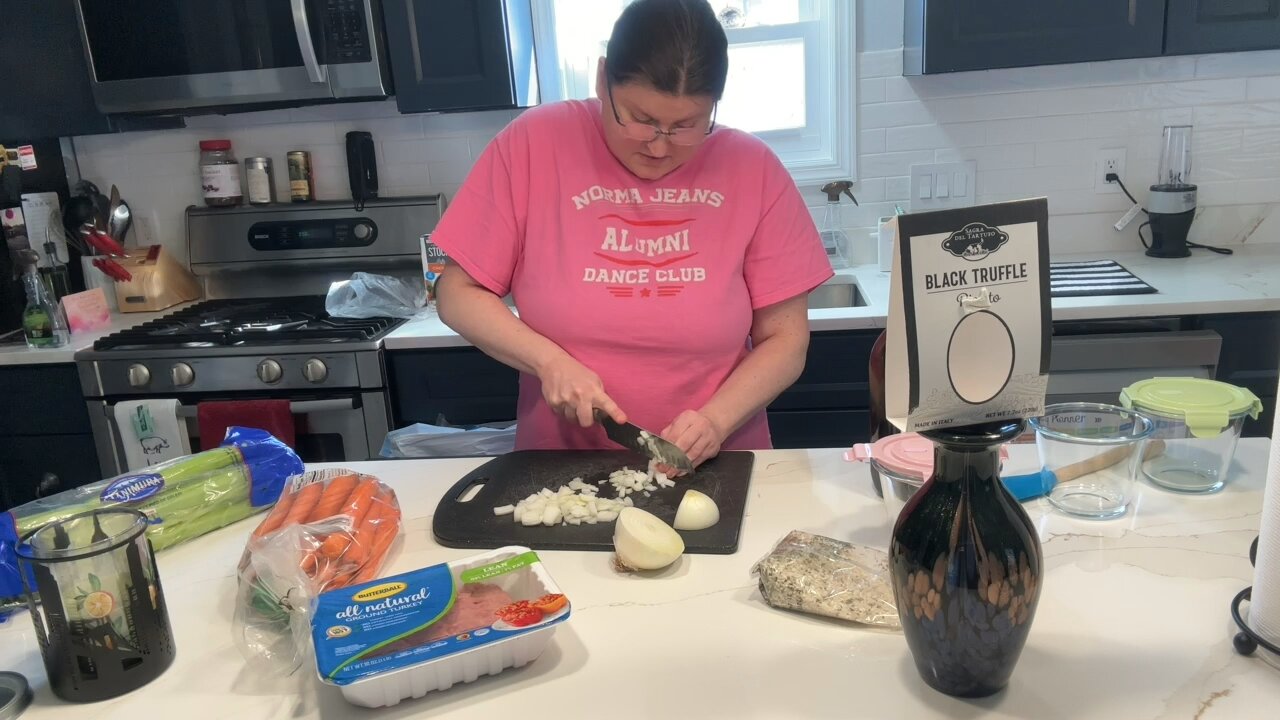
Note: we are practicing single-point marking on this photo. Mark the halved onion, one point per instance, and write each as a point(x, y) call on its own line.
point(643, 542)
point(697, 511)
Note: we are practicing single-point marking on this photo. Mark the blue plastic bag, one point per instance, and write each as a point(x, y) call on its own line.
point(264, 462)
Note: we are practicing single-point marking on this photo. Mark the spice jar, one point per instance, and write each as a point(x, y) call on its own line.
point(219, 174)
point(302, 186)
point(259, 180)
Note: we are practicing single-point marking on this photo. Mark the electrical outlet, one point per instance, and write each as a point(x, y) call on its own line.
point(1110, 160)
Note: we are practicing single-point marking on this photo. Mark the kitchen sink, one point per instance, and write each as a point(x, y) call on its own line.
point(840, 291)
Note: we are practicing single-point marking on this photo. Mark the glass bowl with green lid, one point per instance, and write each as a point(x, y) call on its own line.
point(1199, 421)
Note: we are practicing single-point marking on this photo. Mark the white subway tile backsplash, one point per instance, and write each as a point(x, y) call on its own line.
point(1022, 130)
point(446, 173)
point(872, 141)
point(897, 188)
point(1239, 115)
point(403, 127)
point(892, 163)
point(1264, 88)
point(991, 157)
point(894, 114)
point(923, 137)
point(884, 63)
point(1262, 140)
point(872, 90)
point(1242, 64)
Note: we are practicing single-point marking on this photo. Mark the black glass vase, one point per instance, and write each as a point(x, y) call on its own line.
point(966, 565)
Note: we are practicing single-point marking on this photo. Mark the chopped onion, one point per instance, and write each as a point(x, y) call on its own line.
point(697, 511)
point(563, 506)
point(643, 542)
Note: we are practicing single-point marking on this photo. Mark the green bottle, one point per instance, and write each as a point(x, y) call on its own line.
point(42, 319)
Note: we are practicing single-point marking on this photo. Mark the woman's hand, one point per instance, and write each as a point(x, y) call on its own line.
point(573, 391)
point(696, 434)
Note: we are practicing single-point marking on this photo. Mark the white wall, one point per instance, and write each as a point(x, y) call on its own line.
point(1031, 131)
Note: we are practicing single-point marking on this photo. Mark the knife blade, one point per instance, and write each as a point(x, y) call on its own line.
point(646, 443)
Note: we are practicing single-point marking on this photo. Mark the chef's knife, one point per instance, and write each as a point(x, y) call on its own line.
point(646, 443)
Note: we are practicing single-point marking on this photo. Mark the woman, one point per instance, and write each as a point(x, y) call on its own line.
point(660, 263)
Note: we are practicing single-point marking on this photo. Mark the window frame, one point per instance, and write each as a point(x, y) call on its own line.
point(826, 148)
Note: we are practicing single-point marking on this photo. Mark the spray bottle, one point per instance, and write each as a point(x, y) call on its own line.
point(834, 239)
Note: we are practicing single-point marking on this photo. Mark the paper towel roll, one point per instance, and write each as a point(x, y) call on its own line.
point(1264, 608)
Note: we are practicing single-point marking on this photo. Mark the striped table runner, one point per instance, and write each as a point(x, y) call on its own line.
point(1097, 277)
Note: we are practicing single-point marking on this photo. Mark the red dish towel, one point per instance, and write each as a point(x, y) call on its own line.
point(271, 415)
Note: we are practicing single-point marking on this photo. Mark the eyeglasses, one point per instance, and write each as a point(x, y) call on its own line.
point(646, 133)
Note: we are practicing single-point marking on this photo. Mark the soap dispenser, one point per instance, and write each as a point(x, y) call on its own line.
point(834, 239)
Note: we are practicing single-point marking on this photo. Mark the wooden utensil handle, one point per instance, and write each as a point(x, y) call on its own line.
point(1105, 460)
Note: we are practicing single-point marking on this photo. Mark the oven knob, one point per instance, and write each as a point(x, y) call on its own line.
point(314, 370)
point(269, 371)
point(139, 375)
point(182, 375)
point(362, 231)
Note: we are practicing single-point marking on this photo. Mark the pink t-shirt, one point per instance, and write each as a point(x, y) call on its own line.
point(651, 284)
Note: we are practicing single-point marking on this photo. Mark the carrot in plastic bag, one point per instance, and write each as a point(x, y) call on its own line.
point(303, 505)
point(382, 540)
point(275, 518)
point(335, 495)
point(363, 536)
point(357, 508)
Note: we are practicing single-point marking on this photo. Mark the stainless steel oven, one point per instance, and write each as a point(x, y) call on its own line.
point(158, 55)
point(264, 332)
point(344, 426)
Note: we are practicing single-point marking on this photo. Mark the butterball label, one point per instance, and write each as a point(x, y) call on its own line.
point(132, 488)
point(975, 241)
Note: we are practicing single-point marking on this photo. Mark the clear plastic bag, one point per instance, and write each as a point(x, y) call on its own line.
point(183, 498)
point(367, 295)
point(330, 529)
point(422, 440)
point(821, 576)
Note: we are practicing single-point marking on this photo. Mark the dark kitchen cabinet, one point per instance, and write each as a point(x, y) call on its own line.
point(826, 407)
point(1249, 358)
point(461, 385)
point(44, 431)
point(454, 55)
point(46, 77)
point(951, 35)
point(1206, 26)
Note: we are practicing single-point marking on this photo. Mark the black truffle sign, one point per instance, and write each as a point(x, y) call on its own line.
point(975, 241)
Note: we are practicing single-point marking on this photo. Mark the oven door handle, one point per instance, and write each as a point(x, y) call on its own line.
point(302, 407)
point(302, 27)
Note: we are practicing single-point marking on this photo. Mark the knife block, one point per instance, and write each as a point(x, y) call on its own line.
point(159, 281)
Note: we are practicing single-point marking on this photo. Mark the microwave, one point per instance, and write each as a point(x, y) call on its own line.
point(148, 56)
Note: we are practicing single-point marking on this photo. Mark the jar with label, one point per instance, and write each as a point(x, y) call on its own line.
point(301, 182)
point(259, 180)
point(219, 174)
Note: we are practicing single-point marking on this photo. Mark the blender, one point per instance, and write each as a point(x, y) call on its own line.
point(1171, 206)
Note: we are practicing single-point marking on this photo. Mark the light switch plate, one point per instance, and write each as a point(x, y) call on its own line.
point(943, 185)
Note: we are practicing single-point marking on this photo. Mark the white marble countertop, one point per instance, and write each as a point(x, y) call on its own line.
point(23, 355)
point(1133, 622)
point(1205, 283)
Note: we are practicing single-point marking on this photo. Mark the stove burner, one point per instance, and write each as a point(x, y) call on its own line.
point(239, 323)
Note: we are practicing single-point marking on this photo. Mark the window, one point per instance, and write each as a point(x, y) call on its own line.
point(790, 72)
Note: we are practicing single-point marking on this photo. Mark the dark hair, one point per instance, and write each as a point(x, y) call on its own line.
point(676, 46)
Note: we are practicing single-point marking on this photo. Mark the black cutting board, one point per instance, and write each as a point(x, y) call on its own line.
point(510, 478)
